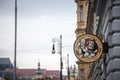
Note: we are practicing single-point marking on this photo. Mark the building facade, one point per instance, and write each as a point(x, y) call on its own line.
point(81, 12)
point(104, 21)
point(102, 18)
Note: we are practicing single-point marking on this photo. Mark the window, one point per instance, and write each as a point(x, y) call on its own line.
point(81, 12)
point(82, 74)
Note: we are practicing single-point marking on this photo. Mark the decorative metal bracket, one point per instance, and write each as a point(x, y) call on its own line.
point(105, 47)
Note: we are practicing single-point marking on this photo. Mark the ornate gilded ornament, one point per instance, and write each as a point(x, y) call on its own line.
point(88, 48)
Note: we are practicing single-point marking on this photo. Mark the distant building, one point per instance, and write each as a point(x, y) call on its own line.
point(7, 72)
point(5, 66)
point(25, 74)
point(38, 74)
point(73, 73)
point(53, 74)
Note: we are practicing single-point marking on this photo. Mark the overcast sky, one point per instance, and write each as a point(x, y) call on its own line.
point(38, 22)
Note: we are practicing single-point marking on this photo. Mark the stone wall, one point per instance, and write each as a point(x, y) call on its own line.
point(108, 66)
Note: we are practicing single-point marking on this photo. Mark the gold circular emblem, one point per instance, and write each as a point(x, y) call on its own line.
point(88, 48)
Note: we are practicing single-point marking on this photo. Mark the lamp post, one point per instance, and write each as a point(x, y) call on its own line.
point(68, 70)
point(15, 44)
point(60, 48)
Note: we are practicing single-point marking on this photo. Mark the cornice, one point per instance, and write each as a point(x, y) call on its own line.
point(80, 30)
point(79, 0)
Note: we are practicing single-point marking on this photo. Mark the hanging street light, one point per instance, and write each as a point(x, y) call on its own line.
point(60, 48)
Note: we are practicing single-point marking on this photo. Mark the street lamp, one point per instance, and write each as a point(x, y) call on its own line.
point(60, 48)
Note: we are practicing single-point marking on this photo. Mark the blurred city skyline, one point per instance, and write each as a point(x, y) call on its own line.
point(38, 22)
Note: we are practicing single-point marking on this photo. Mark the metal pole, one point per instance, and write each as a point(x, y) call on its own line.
point(15, 44)
point(68, 71)
point(61, 63)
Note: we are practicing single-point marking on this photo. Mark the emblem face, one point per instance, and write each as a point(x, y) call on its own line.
point(88, 48)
